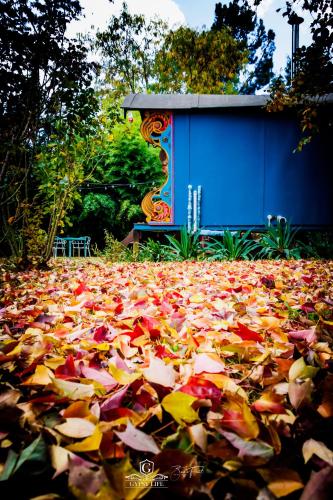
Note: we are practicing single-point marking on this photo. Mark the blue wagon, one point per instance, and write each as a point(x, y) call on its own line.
point(230, 164)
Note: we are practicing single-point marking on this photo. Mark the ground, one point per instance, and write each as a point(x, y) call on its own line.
point(197, 378)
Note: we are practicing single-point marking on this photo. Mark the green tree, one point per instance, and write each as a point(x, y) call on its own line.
point(193, 61)
point(61, 167)
point(111, 198)
point(128, 47)
point(44, 78)
point(250, 32)
point(314, 77)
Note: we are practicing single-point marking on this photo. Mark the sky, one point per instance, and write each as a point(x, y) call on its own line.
point(195, 13)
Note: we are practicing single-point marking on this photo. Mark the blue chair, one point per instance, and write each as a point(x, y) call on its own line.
point(82, 243)
point(59, 244)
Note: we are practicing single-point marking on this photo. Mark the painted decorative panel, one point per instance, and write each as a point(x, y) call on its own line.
point(156, 129)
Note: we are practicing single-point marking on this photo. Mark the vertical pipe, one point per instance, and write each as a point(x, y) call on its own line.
point(195, 211)
point(295, 21)
point(199, 206)
point(189, 209)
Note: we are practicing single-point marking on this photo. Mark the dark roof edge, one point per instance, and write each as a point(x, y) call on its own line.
point(200, 101)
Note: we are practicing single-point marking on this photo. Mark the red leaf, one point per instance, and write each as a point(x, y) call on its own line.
point(119, 309)
point(308, 307)
point(100, 333)
point(115, 400)
point(202, 389)
point(149, 325)
point(162, 352)
point(67, 370)
point(81, 288)
point(90, 304)
point(31, 367)
point(268, 281)
point(307, 279)
point(246, 334)
point(309, 335)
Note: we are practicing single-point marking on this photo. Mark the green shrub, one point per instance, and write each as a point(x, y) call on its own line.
point(233, 246)
point(320, 244)
point(188, 247)
point(153, 251)
point(115, 251)
point(279, 242)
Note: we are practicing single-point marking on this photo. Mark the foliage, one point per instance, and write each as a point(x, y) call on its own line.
point(314, 76)
point(114, 250)
point(58, 170)
point(44, 78)
point(124, 169)
point(320, 244)
point(97, 210)
point(198, 367)
point(129, 46)
point(154, 251)
point(199, 61)
point(234, 245)
point(187, 247)
point(245, 27)
point(279, 242)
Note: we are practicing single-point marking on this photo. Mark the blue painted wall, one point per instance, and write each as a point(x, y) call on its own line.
point(244, 162)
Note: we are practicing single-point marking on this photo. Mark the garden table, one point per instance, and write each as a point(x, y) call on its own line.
point(81, 239)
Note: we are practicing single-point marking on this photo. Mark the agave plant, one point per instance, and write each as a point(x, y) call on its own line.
point(279, 242)
point(153, 251)
point(233, 246)
point(186, 248)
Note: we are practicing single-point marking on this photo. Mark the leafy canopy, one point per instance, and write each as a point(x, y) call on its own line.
point(243, 24)
point(314, 76)
point(45, 77)
point(129, 47)
point(200, 61)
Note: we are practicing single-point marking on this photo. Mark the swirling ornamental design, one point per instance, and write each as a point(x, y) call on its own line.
point(156, 129)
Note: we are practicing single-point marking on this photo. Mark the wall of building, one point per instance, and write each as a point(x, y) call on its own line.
point(245, 163)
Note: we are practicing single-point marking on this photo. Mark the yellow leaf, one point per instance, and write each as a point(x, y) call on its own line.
point(91, 443)
point(198, 435)
point(79, 409)
point(76, 427)
point(73, 390)
point(103, 346)
point(281, 482)
point(59, 459)
point(121, 376)
point(100, 314)
point(197, 299)
point(300, 370)
point(33, 331)
point(171, 330)
point(140, 341)
point(270, 322)
point(232, 465)
point(179, 405)
point(42, 376)
point(159, 372)
point(16, 350)
point(225, 383)
point(53, 363)
point(313, 447)
point(250, 421)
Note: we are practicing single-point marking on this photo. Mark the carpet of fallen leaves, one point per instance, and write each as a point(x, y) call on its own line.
point(218, 374)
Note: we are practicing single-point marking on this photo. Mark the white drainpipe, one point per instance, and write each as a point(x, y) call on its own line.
point(195, 211)
point(189, 209)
